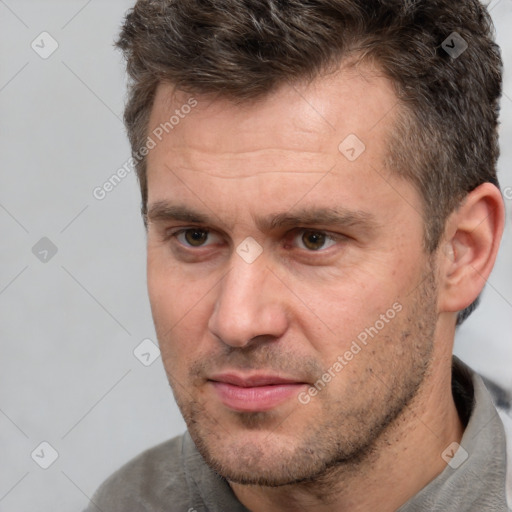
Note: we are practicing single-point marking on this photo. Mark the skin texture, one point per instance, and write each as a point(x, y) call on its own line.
point(315, 287)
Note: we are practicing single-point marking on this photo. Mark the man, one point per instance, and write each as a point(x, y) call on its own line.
point(322, 209)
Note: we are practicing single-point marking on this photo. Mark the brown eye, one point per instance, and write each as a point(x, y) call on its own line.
point(195, 237)
point(313, 240)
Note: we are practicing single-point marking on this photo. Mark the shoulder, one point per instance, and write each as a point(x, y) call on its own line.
point(149, 482)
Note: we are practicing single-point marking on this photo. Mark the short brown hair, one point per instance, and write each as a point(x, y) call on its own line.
point(445, 138)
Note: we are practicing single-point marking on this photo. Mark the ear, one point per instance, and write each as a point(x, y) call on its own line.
point(469, 247)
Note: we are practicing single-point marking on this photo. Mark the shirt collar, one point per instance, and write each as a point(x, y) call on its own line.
point(474, 478)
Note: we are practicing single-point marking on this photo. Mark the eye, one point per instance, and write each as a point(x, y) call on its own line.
point(195, 237)
point(314, 240)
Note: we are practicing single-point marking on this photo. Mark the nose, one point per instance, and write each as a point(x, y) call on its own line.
point(248, 304)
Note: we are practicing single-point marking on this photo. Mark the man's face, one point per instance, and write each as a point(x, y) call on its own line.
point(277, 260)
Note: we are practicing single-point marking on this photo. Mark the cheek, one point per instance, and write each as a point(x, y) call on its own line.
point(168, 287)
point(174, 306)
point(345, 299)
point(180, 312)
point(352, 308)
point(162, 287)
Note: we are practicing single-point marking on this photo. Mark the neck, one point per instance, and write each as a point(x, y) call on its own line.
point(411, 446)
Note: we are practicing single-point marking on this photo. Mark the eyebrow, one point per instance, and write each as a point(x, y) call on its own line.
point(163, 211)
point(319, 216)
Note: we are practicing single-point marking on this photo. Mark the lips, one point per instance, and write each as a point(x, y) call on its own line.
point(254, 393)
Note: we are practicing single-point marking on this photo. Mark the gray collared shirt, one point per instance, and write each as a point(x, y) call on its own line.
point(474, 479)
point(173, 477)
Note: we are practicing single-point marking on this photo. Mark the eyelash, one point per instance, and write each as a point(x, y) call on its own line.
point(329, 237)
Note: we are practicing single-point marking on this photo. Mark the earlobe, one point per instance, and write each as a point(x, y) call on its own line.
point(469, 248)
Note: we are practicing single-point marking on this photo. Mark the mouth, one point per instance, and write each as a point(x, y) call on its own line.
point(254, 393)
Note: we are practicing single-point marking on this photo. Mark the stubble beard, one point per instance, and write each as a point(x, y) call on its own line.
point(340, 439)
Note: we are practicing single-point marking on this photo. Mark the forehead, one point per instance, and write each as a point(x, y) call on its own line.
point(321, 144)
point(307, 119)
point(243, 166)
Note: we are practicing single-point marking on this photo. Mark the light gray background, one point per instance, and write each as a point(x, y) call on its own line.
point(69, 326)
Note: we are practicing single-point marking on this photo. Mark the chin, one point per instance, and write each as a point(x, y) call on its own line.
point(268, 471)
point(265, 458)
